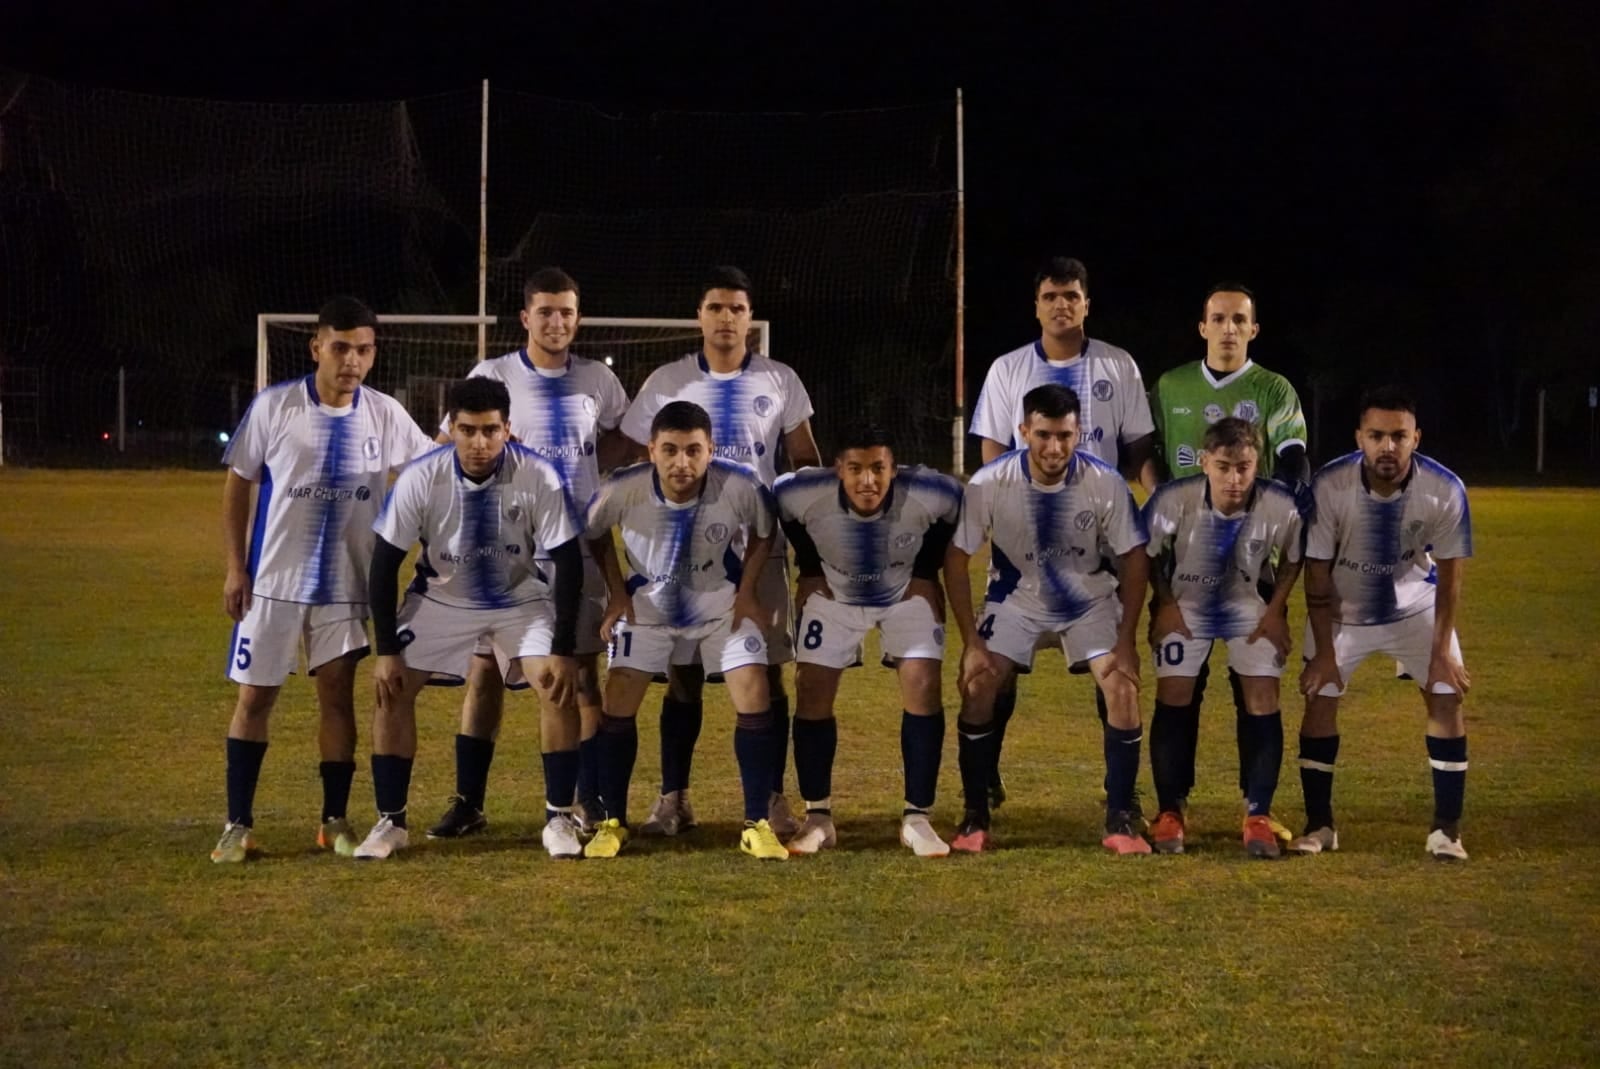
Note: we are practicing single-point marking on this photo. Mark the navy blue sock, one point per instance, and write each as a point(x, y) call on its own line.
point(560, 780)
point(244, 769)
point(680, 730)
point(1122, 766)
point(815, 743)
point(336, 777)
point(1265, 736)
point(391, 783)
point(473, 757)
point(1317, 758)
point(752, 747)
point(780, 740)
point(921, 747)
point(589, 773)
point(1171, 760)
point(1243, 735)
point(618, 747)
point(1005, 704)
point(1448, 759)
point(976, 752)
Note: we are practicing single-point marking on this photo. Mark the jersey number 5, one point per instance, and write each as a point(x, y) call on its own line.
point(241, 659)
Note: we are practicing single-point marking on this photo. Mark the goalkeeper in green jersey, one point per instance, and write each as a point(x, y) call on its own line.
point(1186, 401)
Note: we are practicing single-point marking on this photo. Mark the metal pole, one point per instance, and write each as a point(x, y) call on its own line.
point(958, 437)
point(483, 224)
point(1538, 460)
point(122, 409)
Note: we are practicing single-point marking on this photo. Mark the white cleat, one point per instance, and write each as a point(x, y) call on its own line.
point(666, 816)
point(560, 837)
point(781, 817)
point(815, 834)
point(382, 841)
point(918, 834)
point(1316, 841)
point(1445, 847)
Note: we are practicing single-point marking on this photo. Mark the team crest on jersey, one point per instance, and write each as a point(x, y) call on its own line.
point(1256, 545)
point(363, 493)
point(1102, 389)
point(1083, 520)
point(514, 513)
point(717, 532)
point(904, 539)
point(751, 645)
point(589, 405)
point(1186, 456)
point(938, 636)
point(371, 448)
point(1214, 413)
point(1247, 411)
point(406, 636)
point(1414, 527)
point(763, 405)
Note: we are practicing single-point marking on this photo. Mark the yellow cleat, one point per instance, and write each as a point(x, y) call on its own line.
point(761, 842)
point(609, 837)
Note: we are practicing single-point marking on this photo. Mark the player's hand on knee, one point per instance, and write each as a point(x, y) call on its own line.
point(236, 595)
point(930, 591)
point(1167, 619)
point(1275, 629)
point(746, 607)
point(808, 585)
point(1125, 660)
point(558, 679)
point(1319, 672)
point(389, 677)
point(1443, 668)
point(978, 669)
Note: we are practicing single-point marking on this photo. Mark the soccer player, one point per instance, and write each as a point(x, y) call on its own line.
point(1226, 531)
point(568, 409)
point(1188, 400)
point(321, 447)
point(486, 512)
point(1053, 512)
point(759, 410)
point(1114, 424)
point(1384, 563)
point(697, 530)
point(869, 539)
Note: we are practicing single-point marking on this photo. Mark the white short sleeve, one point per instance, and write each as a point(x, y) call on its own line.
point(974, 526)
point(796, 401)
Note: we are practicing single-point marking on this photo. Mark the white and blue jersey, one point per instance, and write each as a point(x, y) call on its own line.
point(1113, 407)
point(687, 559)
point(1383, 549)
point(1053, 546)
point(322, 473)
point(560, 413)
point(1218, 560)
point(480, 540)
point(751, 408)
point(867, 560)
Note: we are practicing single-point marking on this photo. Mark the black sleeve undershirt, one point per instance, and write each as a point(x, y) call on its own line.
point(383, 589)
point(930, 558)
point(568, 595)
point(806, 557)
point(1292, 469)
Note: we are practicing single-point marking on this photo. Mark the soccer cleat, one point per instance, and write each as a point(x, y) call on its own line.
point(1259, 838)
point(666, 816)
point(609, 838)
point(761, 842)
point(1315, 841)
point(460, 820)
point(686, 819)
point(587, 817)
point(560, 837)
point(918, 834)
point(1445, 847)
point(238, 842)
point(816, 833)
point(781, 817)
point(1121, 838)
point(1166, 834)
point(335, 835)
point(997, 791)
point(972, 836)
point(382, 841)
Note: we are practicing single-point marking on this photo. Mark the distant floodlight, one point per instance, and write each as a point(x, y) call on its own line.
point(608, 361)
point(222, 436)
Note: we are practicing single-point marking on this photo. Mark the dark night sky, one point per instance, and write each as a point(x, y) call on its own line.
point(1402, 183)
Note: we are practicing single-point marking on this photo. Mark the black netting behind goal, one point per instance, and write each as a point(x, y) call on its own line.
point(141, 236)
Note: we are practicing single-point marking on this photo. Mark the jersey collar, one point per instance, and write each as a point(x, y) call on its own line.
point(705, 367)
point(1411, 473)
point(316, 399)
point(1038, 350)
point(1230, 377)
point(527, 362)
point(1249, 502)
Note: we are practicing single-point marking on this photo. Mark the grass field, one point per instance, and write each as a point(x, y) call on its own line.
point(120, 943)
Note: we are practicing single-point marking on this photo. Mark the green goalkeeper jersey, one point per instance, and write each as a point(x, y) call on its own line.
point(1191, 398)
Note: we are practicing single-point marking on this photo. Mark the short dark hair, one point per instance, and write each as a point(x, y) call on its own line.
point(726, 277)
point(1052, 401)
point(1387, 398)
point(479, 393)
point(549, 280)
point(346, 313)
point(1061, 270)
point(1231, 433)
point(1227, 286)
point(862, 434)
point(684, 416)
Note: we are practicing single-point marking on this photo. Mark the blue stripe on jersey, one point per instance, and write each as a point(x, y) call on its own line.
point(480, 516)
point(1379, 549)
point(258, 529)
point(329, 516)
point(675, 529)
point(1053, 554)
point(1212, 557)
point(869, 561)
point(1006, 576)
point(425, 571)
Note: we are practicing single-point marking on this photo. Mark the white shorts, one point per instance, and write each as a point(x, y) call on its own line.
point(442, 638)
point(591, 610)
point(1408, 641)
point(655, 647)
point(1014, 633)
point(1176, 656)
point(265, 648)
point(830, 633)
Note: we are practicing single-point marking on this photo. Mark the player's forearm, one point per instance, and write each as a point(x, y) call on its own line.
point(807, 558)
point(958, 589)
point(1445, 600)
point(989, 449)
point(605, 558)
point(755, 559)
point(235, 520)
point(1161, 587)
point(1137, 465)
point(567, 593)
point(1319, 603)
point(614, 450)
point(1283, 585)
point(383, 589)
point(1135, 583)
point(801, 446)
point(1293, 468)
